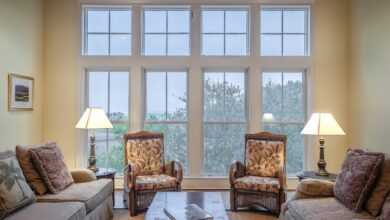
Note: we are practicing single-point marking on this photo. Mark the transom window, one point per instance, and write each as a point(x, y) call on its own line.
point(166, 111)
point(284, 111)
point(107, 31)
point(284, 31)
point(225, 31)
point(224, 120)
point(166, 31)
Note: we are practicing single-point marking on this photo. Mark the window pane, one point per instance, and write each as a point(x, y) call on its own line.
point(235, 97)
point(155, 44)
point(223, 143)
point(120, 21)
point(179, 21)
point(293, 97)
point(213, 44)
point(213, 93)
point(120, 44)
point(295, 148)
point(271, 21)
point(294, 45)
point(155, 21)
point(155, 95)
point(175, 137)
point(97, 20)
point(98, 90)
point(119, 96)
point(178, 45)
point(212, 21)
point(271, 45)
point(272, 94)
point(236, 44)
point(177, 96)
point(294, 21)
point(97, 44)
point(273, 128)
point(236, 21)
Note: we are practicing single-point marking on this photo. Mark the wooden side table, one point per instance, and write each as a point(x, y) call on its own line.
point(107, 173)
point(312, 175)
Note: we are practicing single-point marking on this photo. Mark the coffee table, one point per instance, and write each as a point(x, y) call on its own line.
point(209, 201)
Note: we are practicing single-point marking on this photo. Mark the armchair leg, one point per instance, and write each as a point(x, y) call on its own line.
point(132, 203)
point(233, 204)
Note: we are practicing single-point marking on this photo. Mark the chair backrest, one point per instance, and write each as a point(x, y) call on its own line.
point(265, 154)
point(145, 150)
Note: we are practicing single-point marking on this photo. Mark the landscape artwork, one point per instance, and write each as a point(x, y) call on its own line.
point(20, 92)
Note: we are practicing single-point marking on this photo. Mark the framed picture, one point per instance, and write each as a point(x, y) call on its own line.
point(20, 93)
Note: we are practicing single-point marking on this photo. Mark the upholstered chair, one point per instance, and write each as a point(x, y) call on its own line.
point(146, 172)
point(261, 181)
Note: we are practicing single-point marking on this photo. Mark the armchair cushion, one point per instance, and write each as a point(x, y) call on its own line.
point(146, 155)
point(255, 183)
point(155, 182)
point(263, 158)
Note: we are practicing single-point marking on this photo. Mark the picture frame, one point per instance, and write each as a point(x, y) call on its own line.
point(20, 93)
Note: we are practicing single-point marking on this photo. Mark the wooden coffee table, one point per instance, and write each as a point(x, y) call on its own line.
point(209, 201)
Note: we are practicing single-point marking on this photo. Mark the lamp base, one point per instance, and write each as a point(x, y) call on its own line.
point(92, 155)
point(321, 162)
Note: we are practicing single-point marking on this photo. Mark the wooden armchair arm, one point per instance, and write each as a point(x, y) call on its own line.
point(130, 174)
point(282, 177)
point(174, 169)
point(237, 170)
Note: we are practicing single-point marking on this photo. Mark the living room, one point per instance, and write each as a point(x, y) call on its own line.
point(238, 109)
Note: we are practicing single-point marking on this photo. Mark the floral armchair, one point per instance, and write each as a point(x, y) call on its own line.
point(145, 171)
point(261, 180)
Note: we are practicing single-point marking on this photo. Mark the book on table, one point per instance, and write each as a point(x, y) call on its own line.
point(190, 212)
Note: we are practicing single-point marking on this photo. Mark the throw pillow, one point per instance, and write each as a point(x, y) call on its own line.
point(385, 215)
point(32, 176)
point(381, 189)
point(316, 188)
point(358, 174)
point(51, 166)
point(14, 190)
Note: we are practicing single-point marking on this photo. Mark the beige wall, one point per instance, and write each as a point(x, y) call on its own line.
point(21, 53)
point(370, 75)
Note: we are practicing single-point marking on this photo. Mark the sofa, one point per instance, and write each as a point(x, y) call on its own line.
point(84, 198)
point(318, 199)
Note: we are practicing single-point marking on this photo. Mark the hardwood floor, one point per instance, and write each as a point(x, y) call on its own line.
point(120, 213)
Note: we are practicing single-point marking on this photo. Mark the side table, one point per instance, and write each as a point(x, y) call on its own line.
point(107, 173)
point(312, 175)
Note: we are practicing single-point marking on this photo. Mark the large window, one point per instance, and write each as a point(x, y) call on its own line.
point(284, 111)
point(166, 111)
point(110, 91)
point(107, 31)
point(166, 31)
point(284, 31)
point(225, 31)
point(224, 120)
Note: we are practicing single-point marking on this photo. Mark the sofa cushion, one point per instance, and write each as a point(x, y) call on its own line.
point(255, 183)
point(26, 163)
point(328, 208)
point(52, 211)
point(358, 174)
point(146, 154)
point(381, 189)
point(90, 193)
point(385, 215)
point(14, 190)
point(155, 182)
point(263, 158)
point(51, 166)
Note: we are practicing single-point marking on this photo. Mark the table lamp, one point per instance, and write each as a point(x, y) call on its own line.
point(322, 124)
point(92, 119)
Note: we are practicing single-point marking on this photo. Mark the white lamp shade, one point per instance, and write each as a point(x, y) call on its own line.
point(94, 118)
point(322, 124)
point(268, 117)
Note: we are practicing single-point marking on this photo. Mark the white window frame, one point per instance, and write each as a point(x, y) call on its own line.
point(85, 33)
point(166, 33)
point(306, 34)
point(225, 8)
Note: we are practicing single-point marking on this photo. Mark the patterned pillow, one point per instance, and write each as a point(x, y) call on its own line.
point(51, 166)
point(263, 158)
point(26, 163)
point(146, 155)
point(358, 174)
point(14, 190)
